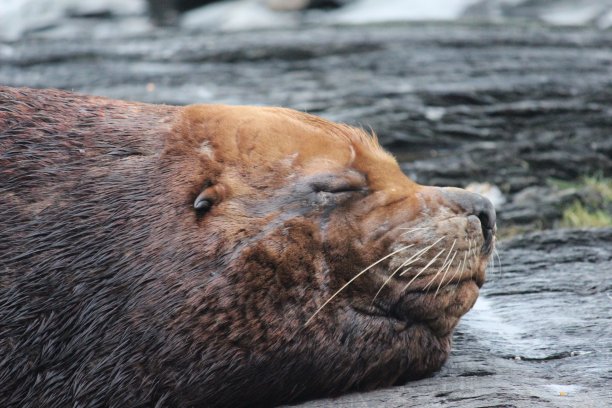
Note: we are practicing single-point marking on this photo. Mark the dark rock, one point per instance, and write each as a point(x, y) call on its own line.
point(510, 105)
point(542, 205)
point(166, 12)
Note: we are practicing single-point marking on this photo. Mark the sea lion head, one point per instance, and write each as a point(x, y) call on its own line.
point(315, 265)
point(218, 256)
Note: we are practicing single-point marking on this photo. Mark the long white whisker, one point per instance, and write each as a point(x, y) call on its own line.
point(408, 262)
point(435, 274)
point(501, 274)
point(493, 269)
point(443, 265)
point(426, 249)
point(424, 268)
point(456, 271)
point(445, 272)
point(463, 267)
point(355, 277)
point(469, 252)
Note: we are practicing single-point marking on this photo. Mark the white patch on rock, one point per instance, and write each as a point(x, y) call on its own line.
point(507, 336)
point(19, 16)
point(564, 390)
point(371, 11)
point(434, 113)
point(237, 15)
point(570, 15)
point(490, 191)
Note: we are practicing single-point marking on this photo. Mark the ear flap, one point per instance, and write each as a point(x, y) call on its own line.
point(202, 203)
point(208, 197)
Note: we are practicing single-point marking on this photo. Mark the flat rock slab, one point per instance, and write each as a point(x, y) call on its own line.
point(540, 335)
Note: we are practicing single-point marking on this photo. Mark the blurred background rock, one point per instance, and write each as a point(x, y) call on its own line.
point(26, 17)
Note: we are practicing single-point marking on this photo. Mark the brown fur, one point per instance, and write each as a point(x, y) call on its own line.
point(115, 291)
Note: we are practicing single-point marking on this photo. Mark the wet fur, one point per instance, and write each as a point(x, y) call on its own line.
point(115, 292)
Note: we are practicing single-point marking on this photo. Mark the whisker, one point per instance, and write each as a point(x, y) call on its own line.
point(493, 267)
point(425, 250)
point(501, 274)
point(435, 274)
point(463, 267)
point(455, 273)
point(469, 252)
point(355, 277)
point(424, 269)
point(409, 261)
point(409, 230)
point(414, 258)
point(410, 267)
point(445, 272)
point(443, 264)
point(460, 266)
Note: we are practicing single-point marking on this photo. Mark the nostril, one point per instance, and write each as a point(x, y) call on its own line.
point(476, 205)
point(486, 224)
point(485, 220)
point(486, 214)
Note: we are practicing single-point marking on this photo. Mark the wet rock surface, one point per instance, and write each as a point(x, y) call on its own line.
point(509, 105)
point(540, 335)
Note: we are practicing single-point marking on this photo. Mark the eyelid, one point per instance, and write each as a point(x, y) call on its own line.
point(335, 183)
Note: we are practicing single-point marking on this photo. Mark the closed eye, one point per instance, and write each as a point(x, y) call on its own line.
point(334, 183)
point(341, 190)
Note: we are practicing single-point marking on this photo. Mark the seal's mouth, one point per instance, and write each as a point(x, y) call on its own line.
point(450, 259)
point(429, 266)
point(437, 281)
point(440, 312)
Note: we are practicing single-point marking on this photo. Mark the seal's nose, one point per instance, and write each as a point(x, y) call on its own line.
point(475, 204)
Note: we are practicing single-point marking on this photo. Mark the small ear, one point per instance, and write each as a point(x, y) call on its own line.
point(210, 196)
point(202, 203)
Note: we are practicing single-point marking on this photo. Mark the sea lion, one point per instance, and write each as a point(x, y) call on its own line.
point(218, 256)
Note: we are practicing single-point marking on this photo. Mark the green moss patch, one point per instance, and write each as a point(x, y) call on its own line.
point(592, 212)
